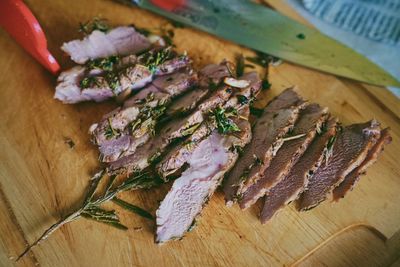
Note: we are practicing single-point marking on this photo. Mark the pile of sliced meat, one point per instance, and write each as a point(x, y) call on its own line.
point(193, 127)
point(300, 152)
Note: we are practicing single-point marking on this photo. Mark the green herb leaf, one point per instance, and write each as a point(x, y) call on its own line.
point(132, 208)
point(243, 100)
point(153, 59)
point(224, 124)
point(106, 64)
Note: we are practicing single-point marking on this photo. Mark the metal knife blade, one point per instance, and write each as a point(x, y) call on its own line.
point(260, 28)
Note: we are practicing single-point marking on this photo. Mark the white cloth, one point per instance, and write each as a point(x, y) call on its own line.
point(371, 27)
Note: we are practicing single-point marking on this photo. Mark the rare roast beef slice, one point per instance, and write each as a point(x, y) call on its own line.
point(213, 74)
point(278, 117)
point(295, 143)
point(290, 187)
point(349, 151)
point(118, 41)
point(77, 85)
point(351, 179)
point(137, 128)
point(177, 156)
point(208, 163)
point(187, 102)
point(172, 131)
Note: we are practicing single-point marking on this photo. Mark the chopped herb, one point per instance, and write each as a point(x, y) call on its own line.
point(265, 85)
point(224, 124)
point(242, 99)
point(92, 25)
point(153, 59)
point(239, 65)
point(256, 111)
point(190, 129)
point(88, 82)
point(110, 131)
point(106, 64)
point(301, 36)
point(113, 81)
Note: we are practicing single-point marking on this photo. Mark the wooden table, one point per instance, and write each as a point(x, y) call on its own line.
point(42, 178)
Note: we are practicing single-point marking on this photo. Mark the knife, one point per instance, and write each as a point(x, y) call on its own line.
point(262, 29)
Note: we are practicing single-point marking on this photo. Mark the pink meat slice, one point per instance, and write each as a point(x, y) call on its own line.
point(118, 41)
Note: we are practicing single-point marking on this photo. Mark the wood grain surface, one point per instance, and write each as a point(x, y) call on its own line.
point(42, 178)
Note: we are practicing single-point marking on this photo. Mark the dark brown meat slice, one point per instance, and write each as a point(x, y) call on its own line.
point(311, 119)
point(177, 156)
point(352, 178)
point(349, 151)
point(213, 74)
point(208, 163)
point(289, 188)
point(278, 117)
point(187, 102)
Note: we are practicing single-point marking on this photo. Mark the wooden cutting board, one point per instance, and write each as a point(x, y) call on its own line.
point(42, 178)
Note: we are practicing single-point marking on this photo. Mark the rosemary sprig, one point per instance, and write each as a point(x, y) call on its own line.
point(153, 59)
point(91, 209)
point(135, 209)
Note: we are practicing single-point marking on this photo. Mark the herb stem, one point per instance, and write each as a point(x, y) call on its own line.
point(67, 219)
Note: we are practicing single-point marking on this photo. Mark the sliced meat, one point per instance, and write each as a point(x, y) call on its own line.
point(187, 102)
point(278, 117)
point(304, 131)
point(136, 123)
point(349, 151)
point(177, 156)
point(118, 41)
point(208, 163)
point(214, 74)
point(172, 132)
point(76, 85)
point(290, 187)
point(352, 178)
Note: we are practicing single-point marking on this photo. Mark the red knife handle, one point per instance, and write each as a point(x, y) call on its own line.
point(19, 22)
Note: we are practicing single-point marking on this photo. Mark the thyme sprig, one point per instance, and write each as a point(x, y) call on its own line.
point(91, 209)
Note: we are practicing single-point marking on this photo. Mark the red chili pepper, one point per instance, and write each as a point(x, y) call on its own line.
point(19, 22)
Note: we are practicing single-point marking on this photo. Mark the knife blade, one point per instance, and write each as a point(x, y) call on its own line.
point(262, 29)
